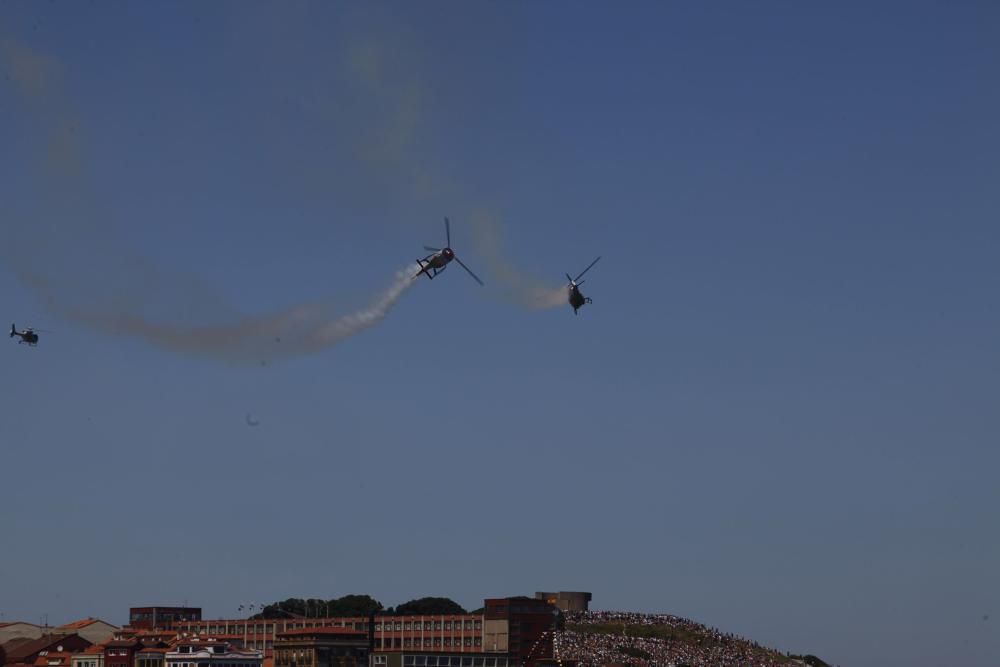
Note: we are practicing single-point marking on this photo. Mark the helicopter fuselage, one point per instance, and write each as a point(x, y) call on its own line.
point(435, 262)
point(29, 337)
point(577, 299)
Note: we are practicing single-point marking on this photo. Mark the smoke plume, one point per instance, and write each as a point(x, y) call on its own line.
point(66, 248)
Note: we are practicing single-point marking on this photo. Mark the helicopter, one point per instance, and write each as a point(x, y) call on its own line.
point(435, 263)
point(576, 298)
point(27, 336)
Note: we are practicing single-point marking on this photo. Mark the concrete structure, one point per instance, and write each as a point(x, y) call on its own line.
point(93, 630)
point(199, 652)
point(567, 600)
point(148, 618)
point(19, 630)
point(331, 646)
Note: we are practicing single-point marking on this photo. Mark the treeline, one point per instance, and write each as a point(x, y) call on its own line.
point(356, 605)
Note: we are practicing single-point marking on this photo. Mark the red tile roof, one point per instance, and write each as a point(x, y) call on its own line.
point(51, 658)
point(82, 623)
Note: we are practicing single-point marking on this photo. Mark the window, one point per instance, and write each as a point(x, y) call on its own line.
point(468, 641)
point(427, 625)
point(407, 625)
point(437, 625)
point(479, 625)
point(466, 662)
point(399, 626)
point(447, 625)
point(378, 626)
point(468, 625)
point(381, 659)
point(421, 660)
point(408, 661)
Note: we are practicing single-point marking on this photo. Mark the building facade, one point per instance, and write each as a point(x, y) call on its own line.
point(89, 657)
point(506, 634)
point(148, 618)
point(332, 646)
point(197, 652)
point(567, 600)
point(121, 652)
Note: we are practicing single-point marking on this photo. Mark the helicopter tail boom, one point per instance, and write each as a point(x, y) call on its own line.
point(13, 331)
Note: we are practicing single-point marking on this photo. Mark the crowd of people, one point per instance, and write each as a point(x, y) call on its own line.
point(682, 642)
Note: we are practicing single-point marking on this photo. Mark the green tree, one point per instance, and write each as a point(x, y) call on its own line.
point(348, 605)
point(429, 606)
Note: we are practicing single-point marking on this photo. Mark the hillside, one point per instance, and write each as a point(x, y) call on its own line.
point(646, 640)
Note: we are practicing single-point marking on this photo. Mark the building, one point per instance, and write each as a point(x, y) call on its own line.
point(93, 630)
point(567, 600)
point(92, 656)
point(199, 652)
point(148, 618)
point(528, 624)
point(511, 631)
point(330, 646)
point(53, 659)
point(121, 652)
point(151, 656)
point(27, 651)
point(19, 630)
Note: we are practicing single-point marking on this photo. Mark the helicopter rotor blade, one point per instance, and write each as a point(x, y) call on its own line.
point(427, 247)
point(568, 278)
point(587, 269)
point(447, 230)
point(469, 271)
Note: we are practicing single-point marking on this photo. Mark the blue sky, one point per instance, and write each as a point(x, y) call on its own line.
point(778, 417)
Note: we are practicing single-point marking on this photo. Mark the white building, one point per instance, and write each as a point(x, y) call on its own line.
point(91, 657)
point(202, 652)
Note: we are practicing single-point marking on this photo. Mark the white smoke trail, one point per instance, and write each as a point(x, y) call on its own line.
point(516, 285)
point(69, 253)
point(300, 330)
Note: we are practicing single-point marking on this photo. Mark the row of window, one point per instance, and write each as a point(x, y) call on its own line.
point(427, 642)
point(451, 661)
point(428, 625)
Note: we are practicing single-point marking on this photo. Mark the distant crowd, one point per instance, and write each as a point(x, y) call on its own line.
point(694, 644)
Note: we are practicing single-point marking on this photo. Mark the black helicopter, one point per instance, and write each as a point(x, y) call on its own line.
point(435, 263)
point(27, 336)
point(576, 298)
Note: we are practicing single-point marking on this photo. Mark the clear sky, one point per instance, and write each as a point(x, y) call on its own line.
point(778, 417)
